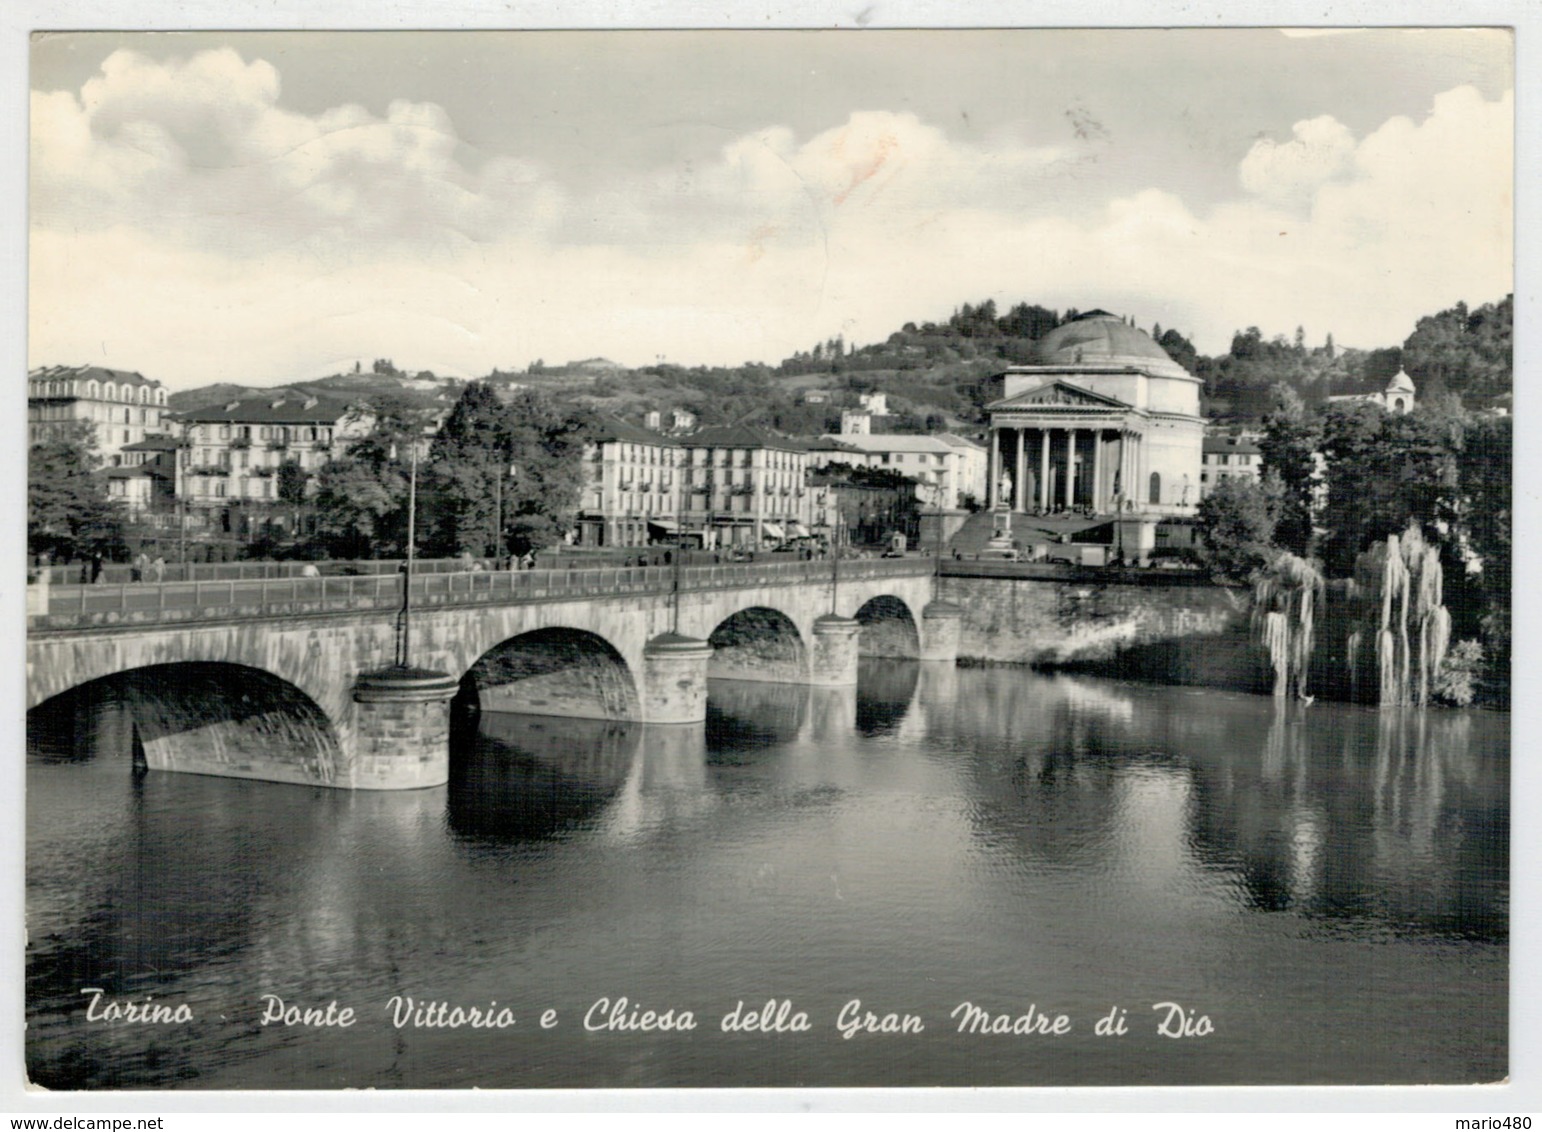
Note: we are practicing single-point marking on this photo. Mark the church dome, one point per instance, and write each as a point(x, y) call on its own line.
point(1400, 383)
point(1098, 338)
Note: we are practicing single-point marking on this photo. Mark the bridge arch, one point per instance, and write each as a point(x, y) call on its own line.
point(555, 670)
point(200, 717)
point(889, 629)
point(758, 643)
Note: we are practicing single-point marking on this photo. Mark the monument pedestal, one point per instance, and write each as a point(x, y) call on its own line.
point(1000, 544)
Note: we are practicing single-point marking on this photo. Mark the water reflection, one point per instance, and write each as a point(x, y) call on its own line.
point(531, 776)
point(749, 719)
point(833, 713)
point(888, 689)
point(932, 835)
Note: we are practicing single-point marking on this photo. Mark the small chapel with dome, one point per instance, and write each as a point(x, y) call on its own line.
point(1103, 422)
point(1397, 397)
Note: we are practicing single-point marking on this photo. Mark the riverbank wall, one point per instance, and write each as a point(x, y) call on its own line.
point(1167, 627)
point(1157, 626)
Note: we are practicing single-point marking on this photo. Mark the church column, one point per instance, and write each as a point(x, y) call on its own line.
point(1097, 471)
point(1142, 487)
point(1127, 464)
point(1020, 485)
point(1044, 469)
point(993, 479)
point(1070, 468)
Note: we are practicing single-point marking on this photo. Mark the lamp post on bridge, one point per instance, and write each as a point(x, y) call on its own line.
point(401, 720)
point(510, 471)
point(404, 618)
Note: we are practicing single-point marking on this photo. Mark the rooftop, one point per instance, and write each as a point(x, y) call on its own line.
point(289, 408)
point(89, 373)
point(891, 442)
point(614, 428)
point(742, 436)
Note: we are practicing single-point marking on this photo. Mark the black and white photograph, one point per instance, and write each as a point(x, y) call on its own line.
point(783, 559)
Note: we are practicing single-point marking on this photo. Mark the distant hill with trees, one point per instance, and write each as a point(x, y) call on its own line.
point(937, 375)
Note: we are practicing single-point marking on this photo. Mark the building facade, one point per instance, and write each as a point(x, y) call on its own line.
point(1230, 456)
point(719, 487)
point(1102, 422)
point(630, 495)
point(145, 479)
point(234, 452)
point(945, 461)
point(745, 487)
point(121, 407)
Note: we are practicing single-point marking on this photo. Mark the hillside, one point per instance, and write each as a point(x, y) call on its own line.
point(939, 375)
point(421, 390)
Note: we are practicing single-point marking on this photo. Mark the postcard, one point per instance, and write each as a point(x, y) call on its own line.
point(681, 559)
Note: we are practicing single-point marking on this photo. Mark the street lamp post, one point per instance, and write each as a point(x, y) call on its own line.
point(679, 550)
point(937, 493)
point(404, 620)
point(512, 471)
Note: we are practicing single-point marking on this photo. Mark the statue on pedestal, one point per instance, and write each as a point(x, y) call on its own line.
point(1004, 491)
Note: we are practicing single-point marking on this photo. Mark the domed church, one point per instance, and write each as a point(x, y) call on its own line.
point(1103, 422)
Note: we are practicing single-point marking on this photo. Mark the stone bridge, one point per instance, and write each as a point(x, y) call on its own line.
point(296, 681)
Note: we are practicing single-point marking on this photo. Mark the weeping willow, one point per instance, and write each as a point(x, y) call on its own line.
point(1398, 594)
point(1287, 595)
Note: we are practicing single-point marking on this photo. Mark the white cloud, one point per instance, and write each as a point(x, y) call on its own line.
point(199, 152)
point(187, 225)
point(1321, 150)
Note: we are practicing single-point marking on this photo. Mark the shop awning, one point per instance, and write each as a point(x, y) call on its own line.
point(771, 530)
point(664, 525)
point(799, 530)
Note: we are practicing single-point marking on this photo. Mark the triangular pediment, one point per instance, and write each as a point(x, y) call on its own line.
point(1059, 393)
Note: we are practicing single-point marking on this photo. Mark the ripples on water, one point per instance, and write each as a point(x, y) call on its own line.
point(1328, 885)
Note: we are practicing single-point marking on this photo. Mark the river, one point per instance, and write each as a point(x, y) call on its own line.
point(1325, 886)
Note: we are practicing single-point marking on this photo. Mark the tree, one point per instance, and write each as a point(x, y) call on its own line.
point(361, 497)
point(1468, 353)
point(472, 449)
point(547, 442)
point(1386, 470)
point(1486, 486)
point(68, 512)
point(1237, 521)
point(356, 505)
point(1292, 436)
point(292, 482)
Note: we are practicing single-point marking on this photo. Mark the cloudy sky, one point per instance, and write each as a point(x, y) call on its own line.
point(267, 207)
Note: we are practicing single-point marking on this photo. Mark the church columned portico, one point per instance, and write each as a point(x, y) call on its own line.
point(1085, 464)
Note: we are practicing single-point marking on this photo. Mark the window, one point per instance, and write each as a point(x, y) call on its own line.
point(1156, 488)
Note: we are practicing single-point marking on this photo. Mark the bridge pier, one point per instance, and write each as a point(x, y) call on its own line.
point(401, 729)
point(674, 683)
point(941, 622)
point(837, 646)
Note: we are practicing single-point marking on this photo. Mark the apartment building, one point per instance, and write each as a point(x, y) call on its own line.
point(1228, 456)
point(630, 495)
point(954, 464)
point(234, 451)
point(718, 487)
point(121, 407)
